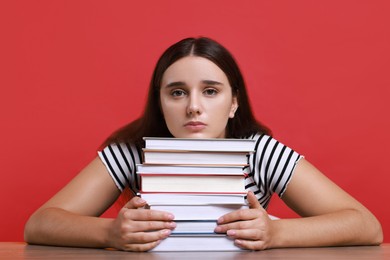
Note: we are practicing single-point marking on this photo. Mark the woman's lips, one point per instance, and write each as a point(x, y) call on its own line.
point(195, 126)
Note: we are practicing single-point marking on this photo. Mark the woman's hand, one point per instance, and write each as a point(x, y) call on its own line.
point(138, 229)
point(250, 228)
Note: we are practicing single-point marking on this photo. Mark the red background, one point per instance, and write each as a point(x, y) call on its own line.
point(73, 71)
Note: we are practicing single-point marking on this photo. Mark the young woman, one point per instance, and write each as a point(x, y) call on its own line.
point(197, 91)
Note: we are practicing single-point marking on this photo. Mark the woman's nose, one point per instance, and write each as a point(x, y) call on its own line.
point(194, 106)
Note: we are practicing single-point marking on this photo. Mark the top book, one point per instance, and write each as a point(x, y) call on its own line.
point(200, 144)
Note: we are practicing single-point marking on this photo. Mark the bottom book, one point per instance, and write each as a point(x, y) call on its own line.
point(212, 242)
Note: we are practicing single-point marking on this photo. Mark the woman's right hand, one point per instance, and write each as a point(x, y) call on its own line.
point(139, 229)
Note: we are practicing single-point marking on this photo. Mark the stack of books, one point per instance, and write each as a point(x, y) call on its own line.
point(198, 181)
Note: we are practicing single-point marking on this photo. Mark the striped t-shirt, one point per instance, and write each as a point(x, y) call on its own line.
point(271, 166)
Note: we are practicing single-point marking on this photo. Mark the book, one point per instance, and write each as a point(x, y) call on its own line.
point(193, 199)
point(193, 183)
point(198, 212)
point(195, 206)
point(199, 144)
point(194, 227)
point(189, 169)
point(211, 242)
point(151, 156)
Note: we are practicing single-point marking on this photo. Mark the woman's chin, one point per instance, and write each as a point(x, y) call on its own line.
point(196, 135)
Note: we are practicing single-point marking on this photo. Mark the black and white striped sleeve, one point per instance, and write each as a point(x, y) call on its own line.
point(272, 166)
point(120, 160)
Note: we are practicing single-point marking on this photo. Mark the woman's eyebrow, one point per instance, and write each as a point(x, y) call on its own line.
point(211, 82)
point(175, 84)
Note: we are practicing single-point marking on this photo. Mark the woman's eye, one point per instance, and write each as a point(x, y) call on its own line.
point(210, 91)
point(178, 93)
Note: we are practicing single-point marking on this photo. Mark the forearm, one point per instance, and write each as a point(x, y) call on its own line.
point(53, 226)
point(346, 227)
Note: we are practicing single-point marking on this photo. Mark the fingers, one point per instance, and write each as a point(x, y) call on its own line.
point(250, 244)
point(147, 215)
point(143, 214)
point(139, 229)
point(135, 203)
point(147, 237)
point(249, 238)
point(140, 220)
point(145, 226)
point(239, 215)
point(255, 210)
point(141, 247)
point(133, 235)
point(234, 226)
point(245, 234)
point(250, 228)
point(144, 241)
point(252, 201)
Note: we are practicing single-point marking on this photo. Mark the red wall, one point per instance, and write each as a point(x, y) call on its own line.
point(73, 71)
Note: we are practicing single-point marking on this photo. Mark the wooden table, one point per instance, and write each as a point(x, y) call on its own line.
point(18, 250)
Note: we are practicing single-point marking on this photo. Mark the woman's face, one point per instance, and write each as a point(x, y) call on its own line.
point(196, 99)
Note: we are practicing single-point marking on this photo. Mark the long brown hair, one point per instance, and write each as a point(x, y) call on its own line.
point(152, 122)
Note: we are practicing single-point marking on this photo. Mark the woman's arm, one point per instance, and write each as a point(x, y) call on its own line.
point(71, 217)
point(330, 217)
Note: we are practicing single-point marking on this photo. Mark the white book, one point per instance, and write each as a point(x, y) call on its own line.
point(195, 227)
point(193, 199)
point(193, 183)
point(194, 157)
point(200, 144)
point(189, 169)
point(216, 242)
point(198, 212)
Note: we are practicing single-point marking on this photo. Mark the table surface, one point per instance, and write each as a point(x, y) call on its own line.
point(19, 250)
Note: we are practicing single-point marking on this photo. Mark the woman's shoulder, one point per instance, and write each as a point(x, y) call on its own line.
point(121, 150)
point(257, 136)
point(120, 145)
point(267, 142)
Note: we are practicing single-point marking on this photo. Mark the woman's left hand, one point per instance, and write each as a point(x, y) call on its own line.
point(250, 228)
